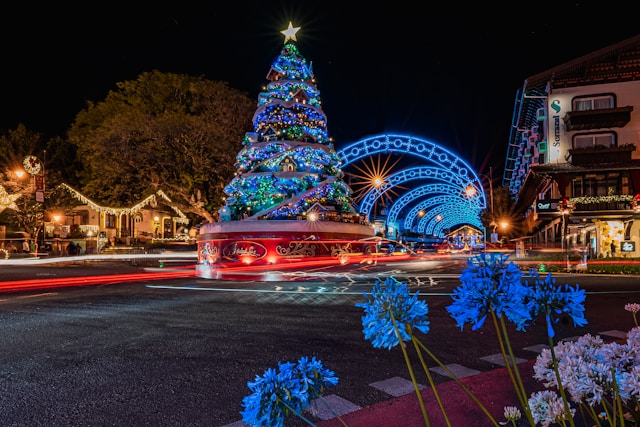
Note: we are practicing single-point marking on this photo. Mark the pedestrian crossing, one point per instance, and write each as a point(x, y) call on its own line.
point(333, 405)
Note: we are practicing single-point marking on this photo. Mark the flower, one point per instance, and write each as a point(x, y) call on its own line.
point(554, 301)
point(392, 315)
point(634, 309)
point(288, 389)
point(512, 414)
point(547, 407)
point(633, 336)
point(594, 373)
point(490, 284)
point(392, 299)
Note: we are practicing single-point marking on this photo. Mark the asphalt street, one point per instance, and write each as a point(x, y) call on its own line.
point(180, 351)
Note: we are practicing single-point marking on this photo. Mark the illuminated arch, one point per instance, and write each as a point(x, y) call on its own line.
point(445, 217)
point(441, 165)
point(417, 173)
point(433, 194)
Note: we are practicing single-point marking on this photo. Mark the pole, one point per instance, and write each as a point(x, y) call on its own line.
point(491, 189)
point(44, 189)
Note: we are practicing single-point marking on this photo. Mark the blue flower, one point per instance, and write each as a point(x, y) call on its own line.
point(314, 377)
point(392, 299)
point(554, 301)
point(264, 406)
point(289, 389)
point(490, 284)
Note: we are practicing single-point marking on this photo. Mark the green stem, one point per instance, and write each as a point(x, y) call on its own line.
point(563, 394)
point(429, 377)
point(460, 383)
point(332, 411)
point(512, 368)
point(411, 373)
point(298, 414)
point(607, 412)
point(592, 413)
point(617, 400)
point(521, 391)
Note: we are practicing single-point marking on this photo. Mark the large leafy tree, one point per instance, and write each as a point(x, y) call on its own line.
point(166, 131)
point(15, 145)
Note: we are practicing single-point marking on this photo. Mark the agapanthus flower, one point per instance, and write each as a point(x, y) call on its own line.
point(633, 337)
point(490, 284)
point(554, 301)
point(589, 369)
point(314, 377)
point(634, 308)
point(629, 383)
point(392, 299)
point(278, 392)
point(547, 407)
point(511, 413)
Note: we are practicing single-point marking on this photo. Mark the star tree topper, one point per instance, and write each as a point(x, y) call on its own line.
point(290, 33)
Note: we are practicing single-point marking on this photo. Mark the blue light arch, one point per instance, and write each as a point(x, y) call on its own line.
point(443, 202)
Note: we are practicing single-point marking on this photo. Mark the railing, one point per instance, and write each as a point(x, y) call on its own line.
point(602, 206)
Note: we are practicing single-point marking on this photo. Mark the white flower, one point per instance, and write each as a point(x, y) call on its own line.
point(547, 407)
point(511, 413)
point(633, 337)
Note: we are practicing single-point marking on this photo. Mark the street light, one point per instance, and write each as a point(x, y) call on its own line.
point(35, 167)
point(471, 192)
point(564, 212)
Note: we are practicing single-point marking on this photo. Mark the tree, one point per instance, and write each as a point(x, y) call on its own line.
point(504, 212)
point(15, 145)
point(162, 131)
point(288, 163)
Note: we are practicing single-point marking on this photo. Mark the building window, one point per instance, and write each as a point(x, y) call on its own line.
point(598, 102)
point(625, 185)
point(109, 221)
point(607, 139)
point(594, 185)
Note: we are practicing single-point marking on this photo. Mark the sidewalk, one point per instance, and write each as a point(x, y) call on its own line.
point(493, 388)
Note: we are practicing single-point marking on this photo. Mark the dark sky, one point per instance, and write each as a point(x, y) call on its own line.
point(446, 72)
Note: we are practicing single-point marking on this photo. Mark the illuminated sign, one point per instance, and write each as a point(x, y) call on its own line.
point(628, 246)
point(244, 250)
point(555, 105)
point(547, 206)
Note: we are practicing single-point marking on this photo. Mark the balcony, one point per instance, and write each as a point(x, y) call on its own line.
point(610, 204)
point(601, 154)
point(598, 119)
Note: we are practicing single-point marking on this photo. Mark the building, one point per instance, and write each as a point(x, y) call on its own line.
point(573, 161)
point(153, 218)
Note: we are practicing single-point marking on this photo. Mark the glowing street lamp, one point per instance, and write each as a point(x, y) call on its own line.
point(471, 191)
point(35, 167)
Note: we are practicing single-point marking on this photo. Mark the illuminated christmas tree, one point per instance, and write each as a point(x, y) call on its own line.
point(288, 167)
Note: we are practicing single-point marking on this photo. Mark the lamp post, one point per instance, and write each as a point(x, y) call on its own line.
point(35, 167)
point(564, 247)
point(471, 192)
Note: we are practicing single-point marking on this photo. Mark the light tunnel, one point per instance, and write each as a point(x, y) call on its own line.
point(445, 203)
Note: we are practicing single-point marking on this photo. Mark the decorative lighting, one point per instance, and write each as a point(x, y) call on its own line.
point(7, 201)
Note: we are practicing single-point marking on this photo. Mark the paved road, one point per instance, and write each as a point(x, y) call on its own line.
point(180, 351)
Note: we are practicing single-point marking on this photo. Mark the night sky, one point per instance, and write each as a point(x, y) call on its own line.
point(448, 74)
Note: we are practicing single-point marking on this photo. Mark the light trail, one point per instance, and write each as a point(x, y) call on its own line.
point(62, 282)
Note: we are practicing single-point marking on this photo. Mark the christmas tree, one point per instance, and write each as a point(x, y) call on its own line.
point(288, 168)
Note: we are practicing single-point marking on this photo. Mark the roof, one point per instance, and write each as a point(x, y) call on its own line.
point(615, 63)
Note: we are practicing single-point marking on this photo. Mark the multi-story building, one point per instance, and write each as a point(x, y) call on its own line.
point(573, 162)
